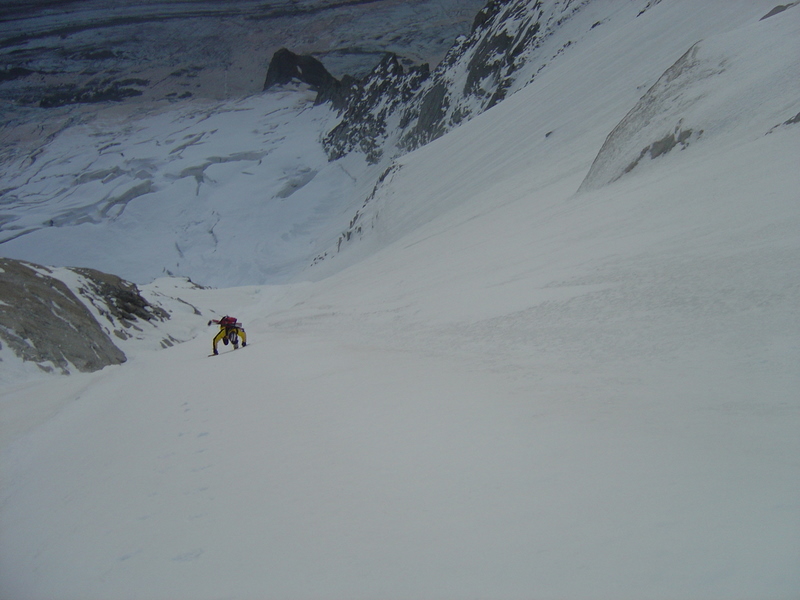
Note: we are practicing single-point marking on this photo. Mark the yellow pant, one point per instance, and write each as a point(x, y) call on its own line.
point(223, 333)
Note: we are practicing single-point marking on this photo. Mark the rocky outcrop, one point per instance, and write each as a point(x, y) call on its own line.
point(286, 66)
point(369, 105)
point(117, 300)
point(478, 71)
point(654, 126)
point(365, 105)
point(392, 111)
point(43, 321)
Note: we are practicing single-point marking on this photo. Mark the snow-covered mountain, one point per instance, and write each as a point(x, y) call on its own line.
point(71, 172)
point(551, 353)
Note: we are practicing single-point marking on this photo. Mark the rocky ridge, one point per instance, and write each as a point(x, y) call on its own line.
point(62, 327)
point(393, 111)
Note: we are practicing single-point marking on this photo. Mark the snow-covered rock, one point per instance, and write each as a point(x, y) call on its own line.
point(46, 322)
point(64, 320)
point(368, 120)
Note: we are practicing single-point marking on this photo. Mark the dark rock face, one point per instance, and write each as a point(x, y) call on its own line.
point(369, 103)
point(393, 112)
point(503, 35)
point(365, 105)
point(286, 66)
point(680, 137)
point(43, 321)
point(118, 300)
point(497, 56)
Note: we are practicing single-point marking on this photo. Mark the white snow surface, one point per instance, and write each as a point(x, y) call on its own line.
point(501, 389)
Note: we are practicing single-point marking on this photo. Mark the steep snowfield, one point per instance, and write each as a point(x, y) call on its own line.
point(500, 388)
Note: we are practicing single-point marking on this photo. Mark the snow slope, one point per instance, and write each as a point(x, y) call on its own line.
point(502, 388)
